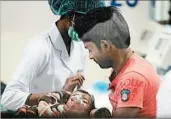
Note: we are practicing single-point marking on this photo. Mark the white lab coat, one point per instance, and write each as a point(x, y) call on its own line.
point(44, 68)
point(164, 97)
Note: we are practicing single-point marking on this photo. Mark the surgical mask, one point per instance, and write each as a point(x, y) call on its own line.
point(72, 33)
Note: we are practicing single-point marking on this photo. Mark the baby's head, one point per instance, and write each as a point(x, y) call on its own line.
point(80, 104)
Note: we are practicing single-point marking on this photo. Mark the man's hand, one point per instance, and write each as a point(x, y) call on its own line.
point(100, 113)
point(72, 82)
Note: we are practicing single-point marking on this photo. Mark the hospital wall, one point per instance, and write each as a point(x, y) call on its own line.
point(21, 20)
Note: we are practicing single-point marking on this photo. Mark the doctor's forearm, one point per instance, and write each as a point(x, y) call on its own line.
point(13, 99)
point(33, 99)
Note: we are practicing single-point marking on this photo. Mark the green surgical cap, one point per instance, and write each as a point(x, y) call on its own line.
point(61, 7)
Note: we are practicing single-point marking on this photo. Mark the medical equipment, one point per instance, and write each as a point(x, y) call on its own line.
point(158, 10)
point(160, 48)
point(145, 38)
point(155, 45)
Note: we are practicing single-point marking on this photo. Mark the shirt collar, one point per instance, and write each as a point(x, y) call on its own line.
point(56, 37)
point(116, 78)
point(57, 40)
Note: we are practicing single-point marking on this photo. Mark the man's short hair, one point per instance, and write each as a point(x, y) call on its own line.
point(106, 23)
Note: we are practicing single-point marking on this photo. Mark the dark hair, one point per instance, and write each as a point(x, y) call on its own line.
point(92, 98)
point(105, 23)
point(70, 14)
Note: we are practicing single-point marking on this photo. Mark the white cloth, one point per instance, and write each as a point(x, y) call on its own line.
point(164, 97)
point(44, 68)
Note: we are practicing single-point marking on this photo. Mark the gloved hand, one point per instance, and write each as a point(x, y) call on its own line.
point(100, 113)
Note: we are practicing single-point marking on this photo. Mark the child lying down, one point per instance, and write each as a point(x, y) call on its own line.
point(80, 104)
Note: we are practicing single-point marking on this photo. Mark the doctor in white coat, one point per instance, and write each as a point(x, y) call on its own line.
point(53, 60)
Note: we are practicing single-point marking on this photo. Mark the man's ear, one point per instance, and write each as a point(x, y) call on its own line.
point(69, 23)
point(105, 46)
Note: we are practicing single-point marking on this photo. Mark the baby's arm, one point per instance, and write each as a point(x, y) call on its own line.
point(50, 105)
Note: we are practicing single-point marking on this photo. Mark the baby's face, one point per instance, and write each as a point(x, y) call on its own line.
point(79, 103)
point(79, 99)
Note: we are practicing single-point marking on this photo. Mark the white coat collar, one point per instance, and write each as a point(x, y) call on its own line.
point(57, 40)
point(58, 43)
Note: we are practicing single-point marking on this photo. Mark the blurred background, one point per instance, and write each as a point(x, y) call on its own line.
point(148, 22)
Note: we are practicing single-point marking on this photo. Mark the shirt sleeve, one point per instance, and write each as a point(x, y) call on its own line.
point(130, 91)
point(17, 89)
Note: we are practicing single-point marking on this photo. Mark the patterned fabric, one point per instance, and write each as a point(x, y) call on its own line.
point(61, 7)
point(27, 111)
point(50, 105)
